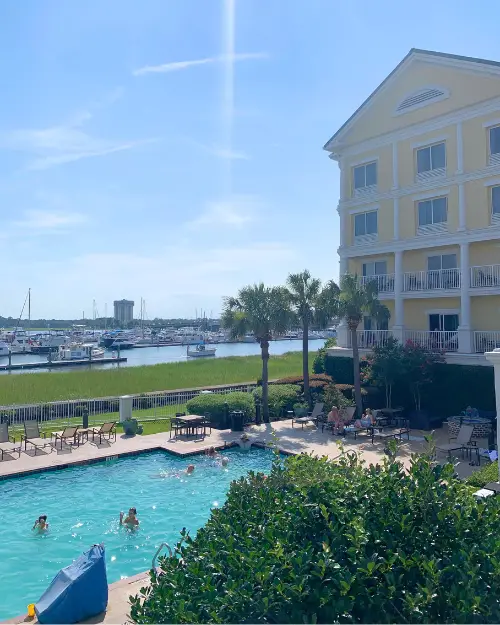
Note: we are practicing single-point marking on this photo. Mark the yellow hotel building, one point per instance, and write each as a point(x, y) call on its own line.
point(419, 203)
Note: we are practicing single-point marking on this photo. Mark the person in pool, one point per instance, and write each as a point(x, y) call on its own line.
point(211, 453)
point(41, 523)
point(131, 519)
point(224, 461)
point(190, 469)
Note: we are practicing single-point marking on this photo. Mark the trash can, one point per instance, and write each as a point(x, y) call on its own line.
point(237, 419)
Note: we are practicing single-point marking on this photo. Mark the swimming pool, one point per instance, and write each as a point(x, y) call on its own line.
point(83, 505)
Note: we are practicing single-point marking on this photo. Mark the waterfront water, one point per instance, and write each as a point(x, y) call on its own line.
point(176, 353)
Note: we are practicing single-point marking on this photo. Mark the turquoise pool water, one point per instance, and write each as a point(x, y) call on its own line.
point(83, 506)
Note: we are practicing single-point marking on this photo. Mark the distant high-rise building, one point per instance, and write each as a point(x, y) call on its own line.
point(124, 310)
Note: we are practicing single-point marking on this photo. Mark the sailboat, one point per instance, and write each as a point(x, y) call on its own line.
point(200, 351)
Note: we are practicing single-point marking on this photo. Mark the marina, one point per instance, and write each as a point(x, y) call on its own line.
point(58, 364)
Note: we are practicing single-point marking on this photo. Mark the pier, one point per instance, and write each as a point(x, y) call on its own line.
point(60, 364)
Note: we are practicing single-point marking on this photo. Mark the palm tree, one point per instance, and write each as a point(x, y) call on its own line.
point(311, 304)
point(354, 301)
point(265, 311)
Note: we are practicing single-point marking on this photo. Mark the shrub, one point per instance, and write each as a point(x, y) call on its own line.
point(340, 369)
point(334, 397)
point(213, 404)
point(320, 378)
point(318, 542)
point(319, 360)
point(282, 397)
point(488, 473)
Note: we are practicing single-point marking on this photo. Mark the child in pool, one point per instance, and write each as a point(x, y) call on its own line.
point(41, 523)
point(131, 520)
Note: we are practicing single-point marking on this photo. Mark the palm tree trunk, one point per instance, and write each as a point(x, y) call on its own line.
point(357, 379)
point(305, 361)
point(264, 346)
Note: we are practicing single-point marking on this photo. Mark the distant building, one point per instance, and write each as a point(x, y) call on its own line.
point(124, 311)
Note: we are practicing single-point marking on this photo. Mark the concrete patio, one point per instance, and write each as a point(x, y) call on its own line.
point(295, 440)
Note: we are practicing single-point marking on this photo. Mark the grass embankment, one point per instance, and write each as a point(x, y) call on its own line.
point(45, 387)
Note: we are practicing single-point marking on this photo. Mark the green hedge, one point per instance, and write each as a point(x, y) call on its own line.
point(213, 404)
point(340, 369)
point(485, 475)
point(282, 397)
point(318, 542)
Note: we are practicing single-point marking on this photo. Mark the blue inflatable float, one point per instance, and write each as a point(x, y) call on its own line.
point(77, 592)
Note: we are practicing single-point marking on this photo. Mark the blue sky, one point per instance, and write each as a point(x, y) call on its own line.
point(172, 149)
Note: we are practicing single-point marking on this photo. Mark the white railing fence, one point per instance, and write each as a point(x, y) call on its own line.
point(385, 282)
point(485, 276)
point(368, 338)
point(441, 341)
point(486, 341)
point(148, 406)
point(428, 280)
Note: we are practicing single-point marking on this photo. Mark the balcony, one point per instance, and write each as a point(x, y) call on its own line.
point(436, 341)
point(485, 276)
point(444, 279)
point(486, 341)
point(385, 282)
point(369, 338)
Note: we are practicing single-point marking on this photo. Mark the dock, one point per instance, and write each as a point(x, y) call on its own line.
point(60, 364)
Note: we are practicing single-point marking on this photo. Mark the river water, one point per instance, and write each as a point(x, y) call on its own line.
point(156, 355)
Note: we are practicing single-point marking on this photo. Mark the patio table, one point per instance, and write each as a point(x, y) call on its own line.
point(191, 422)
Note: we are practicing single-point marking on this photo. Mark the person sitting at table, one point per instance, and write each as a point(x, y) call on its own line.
point(367, 420)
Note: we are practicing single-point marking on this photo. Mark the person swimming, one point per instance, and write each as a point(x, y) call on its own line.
point(224, 462)
point(190, 469)
point(211, 452)
point(131, 519)
point(41, 523)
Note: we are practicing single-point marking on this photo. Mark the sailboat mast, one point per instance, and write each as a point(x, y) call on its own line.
point(29, 309)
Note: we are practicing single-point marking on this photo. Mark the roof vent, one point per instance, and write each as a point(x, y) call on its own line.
point(421, 98)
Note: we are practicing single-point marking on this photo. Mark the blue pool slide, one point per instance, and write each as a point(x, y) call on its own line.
point(77, 592)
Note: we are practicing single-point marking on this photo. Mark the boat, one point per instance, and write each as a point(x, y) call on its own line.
point(19, 341)
point(4, 348)
point(201, 351)
point(45, 343)
point(121, 343)
point(79, 351)
point(248, 338)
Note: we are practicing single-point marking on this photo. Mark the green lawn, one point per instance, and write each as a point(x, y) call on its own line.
point(45, 387)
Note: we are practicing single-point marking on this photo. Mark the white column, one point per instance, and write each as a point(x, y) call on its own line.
point(395, 168)
point(344, 239)
point(494, 358)
point(464, 329)
point(342, 266)
point(396, 218)
point(462, 219)
point(398, 327)
point(460, 150)
point(342, 167)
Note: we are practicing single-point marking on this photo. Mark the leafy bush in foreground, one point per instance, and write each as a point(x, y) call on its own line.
point(213, 404)
point(319, 542)
point(282, 397)
point(488, 473)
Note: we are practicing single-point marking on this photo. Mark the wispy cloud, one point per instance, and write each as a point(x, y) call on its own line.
point(234, 213)
point(220, 151)
point(49, 220)
point(67, 142)
point(177, 66)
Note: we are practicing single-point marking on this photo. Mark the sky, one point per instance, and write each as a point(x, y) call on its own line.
point(172, 149)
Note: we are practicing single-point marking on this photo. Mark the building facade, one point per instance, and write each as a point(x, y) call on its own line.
point(124, 310)
point(419, 202)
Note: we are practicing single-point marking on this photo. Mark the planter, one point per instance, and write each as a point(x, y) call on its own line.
point(482, 426)
point(245, 445)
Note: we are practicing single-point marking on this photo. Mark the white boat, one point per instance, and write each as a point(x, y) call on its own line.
point(80, 351)
point(4, 349)
point(121, 343)
point(45, 343)
point(201, 351)
point(19, 341)
point(248, 338)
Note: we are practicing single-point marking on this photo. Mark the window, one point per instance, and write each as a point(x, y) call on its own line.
point(377, 268)
point(495, 201)
point(373, 324)
point(431, 158)
point(432, 212)
point(365, 224)
point(495, 140)
point(365, 176)
point(443, 261)
point(443, 322)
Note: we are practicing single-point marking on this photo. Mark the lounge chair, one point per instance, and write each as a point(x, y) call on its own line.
point(70, 434)
point(462, 441)
point(33, 436)
point(314, 416)
point(8, 443)
point(106, 429)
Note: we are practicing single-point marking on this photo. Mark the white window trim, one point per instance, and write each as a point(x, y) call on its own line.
point(492, 183)
point(454, 250)
point(431, 195)
point(379, 260)
point(371, 234)
point(491, 123)
point(443, 311)
point(365, 189)
point(455, 253)
point(365, 161)
point(427, 144)
point(446, 94)
point(364, 209)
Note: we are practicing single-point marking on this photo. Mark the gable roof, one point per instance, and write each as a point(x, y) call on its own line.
point(412, 53)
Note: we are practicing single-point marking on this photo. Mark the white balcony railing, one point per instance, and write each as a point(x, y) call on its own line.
point(369, 338)
point(486, 341)
point(439, 341)
point(485, 276)
point(430, 280)
point(385, 282)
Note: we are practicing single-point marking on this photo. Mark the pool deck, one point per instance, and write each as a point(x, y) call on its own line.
point(290, 440)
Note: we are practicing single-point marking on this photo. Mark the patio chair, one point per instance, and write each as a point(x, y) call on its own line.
point(317, 412)
point(34, 437)
point(8, 443)
point(69, 433)
point(107, 429)
point(462, 441)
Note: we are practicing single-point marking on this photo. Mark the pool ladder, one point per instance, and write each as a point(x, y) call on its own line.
point(153, 563)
